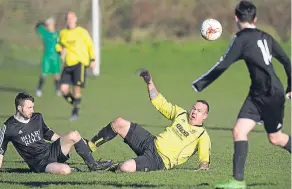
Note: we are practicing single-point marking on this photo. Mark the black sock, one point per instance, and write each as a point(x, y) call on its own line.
point(83, 150)
point(41, 82)
point(288, 145)
point(57, 84)
point(104, 135)
point(76, 108)
point(239, 158)
point(69, 98)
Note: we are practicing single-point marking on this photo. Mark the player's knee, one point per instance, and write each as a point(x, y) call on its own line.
point(274, 139)
point(64, 88)
point(119, 124)
point(128, 166)
point(74, 136)
point(65, 170)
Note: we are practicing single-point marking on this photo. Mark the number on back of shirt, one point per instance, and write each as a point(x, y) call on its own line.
point(263, 45)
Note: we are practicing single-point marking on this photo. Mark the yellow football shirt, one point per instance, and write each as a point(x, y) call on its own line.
point(180, 140)
point(78, 45)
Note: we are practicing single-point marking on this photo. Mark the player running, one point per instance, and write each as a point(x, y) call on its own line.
point(27, 131)
point(76, 45)
point(184, 137)
point(266, 98)
point(51, 63)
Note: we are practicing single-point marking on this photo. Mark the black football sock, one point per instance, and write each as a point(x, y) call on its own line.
point(76, 108)
point(69, 98)
point(56, 82)
point(83, 150)
point(239, 158)
point(104, 135)
point(41, 82)
point(288, 145)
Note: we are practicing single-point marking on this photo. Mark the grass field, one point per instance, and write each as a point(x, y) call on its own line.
point(119, 92)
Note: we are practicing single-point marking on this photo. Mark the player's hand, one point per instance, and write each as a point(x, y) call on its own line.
point(288, 95)
point(63, 53)
point(92, 65)
point(145, 75)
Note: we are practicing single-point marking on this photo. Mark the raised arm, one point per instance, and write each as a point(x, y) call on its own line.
point(159, 102)
point(40, 28)
point(282, 57)
point(232, 54)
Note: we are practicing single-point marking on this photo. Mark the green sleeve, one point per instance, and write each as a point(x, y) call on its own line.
point(41, 29)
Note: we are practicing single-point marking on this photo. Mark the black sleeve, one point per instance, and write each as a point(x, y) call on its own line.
point(232, 54)
point(4, 139)
point(282, 57)
point(48, 133)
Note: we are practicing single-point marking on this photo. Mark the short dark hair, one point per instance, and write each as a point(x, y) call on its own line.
point(21, 97)
point(206, 103)
point(246, 11)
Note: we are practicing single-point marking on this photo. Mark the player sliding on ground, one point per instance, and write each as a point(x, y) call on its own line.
point(266, 98)
point(27, 131)
point(185, 136)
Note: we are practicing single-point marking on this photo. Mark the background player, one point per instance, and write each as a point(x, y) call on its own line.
point(185, 136)
point(76, 45)
point(51, 63)
point(27, 131)
point(266, 98)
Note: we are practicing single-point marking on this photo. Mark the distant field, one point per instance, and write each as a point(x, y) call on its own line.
point(119, 92)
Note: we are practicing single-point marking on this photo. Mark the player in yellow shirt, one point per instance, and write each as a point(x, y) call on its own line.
point(184, 137)
point(76, 47)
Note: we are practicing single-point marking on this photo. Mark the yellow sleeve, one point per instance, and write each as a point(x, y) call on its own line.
point(204, 148)
point(59, 46)
point(89, 44)
point(166, 108)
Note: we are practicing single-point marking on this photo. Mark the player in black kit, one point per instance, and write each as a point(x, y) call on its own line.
point(266, 99)
point(27, 131)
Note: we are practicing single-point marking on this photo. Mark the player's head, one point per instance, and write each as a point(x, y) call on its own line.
point(24, 104)
point(199, 112)
point(71, 19)
point(245, 12)
point(50, 24)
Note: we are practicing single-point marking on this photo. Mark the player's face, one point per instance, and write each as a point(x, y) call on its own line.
point(71, 20)
point(26, 109)
point(198, 114)
point(51, 27)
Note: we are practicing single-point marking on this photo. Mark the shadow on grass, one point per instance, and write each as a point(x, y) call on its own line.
point(13, 89)
point(16, 170)
point(96, 183)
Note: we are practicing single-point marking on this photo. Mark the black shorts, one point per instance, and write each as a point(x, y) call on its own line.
point(74, 75)
point(268, 109)
point(55, 155)
point(142, 143)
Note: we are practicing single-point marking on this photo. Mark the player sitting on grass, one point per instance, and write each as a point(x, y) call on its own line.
point(27, 131)
point(185, 136)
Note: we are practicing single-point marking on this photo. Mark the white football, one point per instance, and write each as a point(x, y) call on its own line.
point(211, 29)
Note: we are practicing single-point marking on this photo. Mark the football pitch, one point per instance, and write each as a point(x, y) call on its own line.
point(119, 92)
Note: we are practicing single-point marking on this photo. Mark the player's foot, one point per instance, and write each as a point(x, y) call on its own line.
point(73, 117)
point(58, 93)
point(99, 165)
point(232, 184)
point(39, 93)
point(114, 167)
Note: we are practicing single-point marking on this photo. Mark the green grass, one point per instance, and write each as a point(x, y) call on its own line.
point(119, 92)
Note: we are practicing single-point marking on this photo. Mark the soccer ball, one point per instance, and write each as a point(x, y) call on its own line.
point(211, 29)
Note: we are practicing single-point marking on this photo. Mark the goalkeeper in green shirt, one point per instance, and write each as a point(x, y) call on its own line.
point(51, 62)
